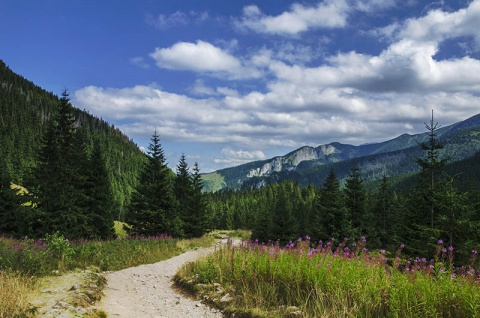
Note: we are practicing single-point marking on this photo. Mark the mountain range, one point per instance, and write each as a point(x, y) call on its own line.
point(395, 158)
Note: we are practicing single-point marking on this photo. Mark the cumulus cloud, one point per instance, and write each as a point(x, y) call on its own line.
point(202, 57)
point(438, 25)
point(350, 97)
point(300, 18)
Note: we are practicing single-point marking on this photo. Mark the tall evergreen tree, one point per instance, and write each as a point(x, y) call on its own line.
point(99, 204)
point(330, 209)
point(355, 202)
point(152, 209)
point(57, 177)
point(382, 212)
point(183, 190)
point(198, 216)
point(285, 226)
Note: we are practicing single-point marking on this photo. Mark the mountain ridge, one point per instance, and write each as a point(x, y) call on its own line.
point(381, 155)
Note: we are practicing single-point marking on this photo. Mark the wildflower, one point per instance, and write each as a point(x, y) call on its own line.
point(444, 250)
point(450, 248)
point(402, 246)
point(382, 252)
point(440, 242)
point(474, 252)
point(364, 239)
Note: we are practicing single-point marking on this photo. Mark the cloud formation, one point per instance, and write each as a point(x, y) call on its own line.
point(286, 94)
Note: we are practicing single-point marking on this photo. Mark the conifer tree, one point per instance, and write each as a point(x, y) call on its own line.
point(57, 177)
point(285, 226)
point(355, 202)
point(382, 212)
point(431, 164)
point(152, 209)
point(99, 204)
point(183, 189)
point(198, 216)
point(330, 210)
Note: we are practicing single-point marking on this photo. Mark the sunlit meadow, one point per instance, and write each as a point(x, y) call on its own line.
point(334, 280)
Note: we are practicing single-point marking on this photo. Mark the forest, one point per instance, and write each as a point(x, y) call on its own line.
point(65, 171)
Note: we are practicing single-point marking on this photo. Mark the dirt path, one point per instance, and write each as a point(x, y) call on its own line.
point(146, 291)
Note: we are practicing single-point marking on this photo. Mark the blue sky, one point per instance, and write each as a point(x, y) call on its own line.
point(228, 82)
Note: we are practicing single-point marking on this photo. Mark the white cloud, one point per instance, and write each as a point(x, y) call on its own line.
point(300, 18)
point(202, 57)
point(439, 25)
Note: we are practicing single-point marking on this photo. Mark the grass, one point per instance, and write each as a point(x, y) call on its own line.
point(24, 262)
point(14, 289)
point(321, 281)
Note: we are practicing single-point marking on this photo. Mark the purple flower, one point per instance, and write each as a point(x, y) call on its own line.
point(364, 239)
point(444, 250)
point(402, 246)
point(440, 242)
point(450, 248)
point(474, 252)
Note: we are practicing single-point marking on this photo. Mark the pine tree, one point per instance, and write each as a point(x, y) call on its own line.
point(285, 226)
point(431, 164)
point(330, 210)
point(152, 209)
point(382, 212)
point(99, 203)
point(355, 202)
point(58, 176)
point(198, 216)
point(183, 189)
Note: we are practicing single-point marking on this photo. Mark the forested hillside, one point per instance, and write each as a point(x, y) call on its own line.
point(395, 158)
point(24, 110)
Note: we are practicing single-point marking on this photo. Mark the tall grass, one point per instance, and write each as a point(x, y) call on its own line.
point(22, 261)
point(269, 281)
point(14, 289)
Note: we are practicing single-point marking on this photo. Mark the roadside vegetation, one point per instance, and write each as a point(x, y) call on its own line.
point(332, 279)
point(24, 262)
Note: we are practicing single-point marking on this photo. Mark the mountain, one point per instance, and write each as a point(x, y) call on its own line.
point(24, 110)
point(394, 158)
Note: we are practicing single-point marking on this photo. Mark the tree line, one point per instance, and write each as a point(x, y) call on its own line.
point(432, 207)
point(70, 191)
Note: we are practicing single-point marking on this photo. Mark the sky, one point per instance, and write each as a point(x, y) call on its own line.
point(229, 82)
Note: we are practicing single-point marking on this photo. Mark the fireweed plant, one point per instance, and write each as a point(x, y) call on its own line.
point(331, 279)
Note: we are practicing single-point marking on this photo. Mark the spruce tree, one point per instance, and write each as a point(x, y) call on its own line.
point(198, 216)
point(152, 209)
point(99, 203)
point(382, 212)
point(183, 189)
point(330, 210)
point(355, 203)
point(58, 176)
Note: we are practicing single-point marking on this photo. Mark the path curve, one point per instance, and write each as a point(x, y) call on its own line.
point(146, 291)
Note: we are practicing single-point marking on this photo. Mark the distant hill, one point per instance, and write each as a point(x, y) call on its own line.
point(24, 109)
point(394, 158)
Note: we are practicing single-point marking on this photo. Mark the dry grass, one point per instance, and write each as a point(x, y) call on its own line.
point(14, 292)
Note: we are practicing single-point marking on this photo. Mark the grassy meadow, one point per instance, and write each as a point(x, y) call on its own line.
point(301, 280)
point(24, 262)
